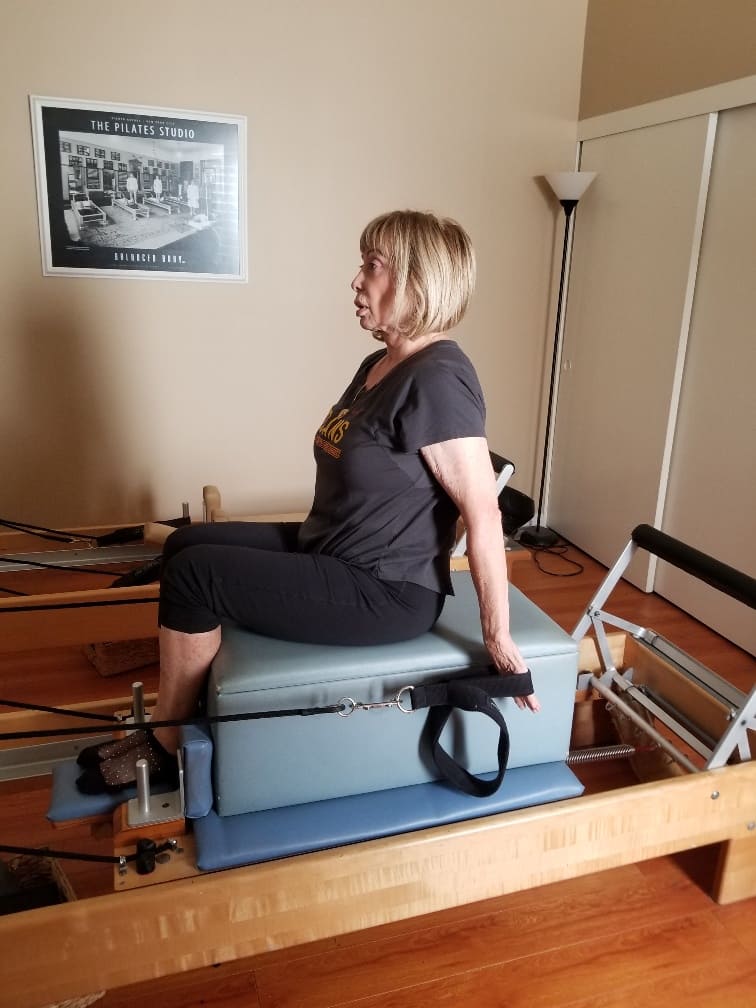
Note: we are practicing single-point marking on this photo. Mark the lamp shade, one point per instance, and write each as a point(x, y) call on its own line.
point(570, 185)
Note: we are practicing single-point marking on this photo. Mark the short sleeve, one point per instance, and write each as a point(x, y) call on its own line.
point(443, 401)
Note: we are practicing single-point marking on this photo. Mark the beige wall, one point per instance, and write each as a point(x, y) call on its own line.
point(120, 398)
point(637, 51)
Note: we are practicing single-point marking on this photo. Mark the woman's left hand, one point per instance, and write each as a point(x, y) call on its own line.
point(507, 658)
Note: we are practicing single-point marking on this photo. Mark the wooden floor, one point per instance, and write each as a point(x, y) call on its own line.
point(635, 936)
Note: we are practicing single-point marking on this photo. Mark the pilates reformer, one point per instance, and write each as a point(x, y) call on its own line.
point(85, 211)
point(176, 204)
point(160, 204)
point(52, 617)
point(296, 899)
point(134, 208)
point(716, 728)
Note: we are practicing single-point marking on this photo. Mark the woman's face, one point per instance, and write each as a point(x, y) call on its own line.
point(375, 293)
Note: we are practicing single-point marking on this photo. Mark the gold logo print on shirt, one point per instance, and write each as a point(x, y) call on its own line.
point(332, 431)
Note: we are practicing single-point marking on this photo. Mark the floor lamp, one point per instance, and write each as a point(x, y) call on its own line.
point(568, 188)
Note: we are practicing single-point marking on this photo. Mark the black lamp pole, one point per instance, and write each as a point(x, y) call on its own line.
point(537, 535)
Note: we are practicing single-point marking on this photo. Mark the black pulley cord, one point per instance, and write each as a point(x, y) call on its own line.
point(77, 856)
point(54, 535)
point(113, 718)
point(39, 565)
point(144, 725)
point(471, 694)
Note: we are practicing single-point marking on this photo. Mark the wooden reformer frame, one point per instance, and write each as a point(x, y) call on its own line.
point(86, 211)
point(136, 209)
point(187, 920)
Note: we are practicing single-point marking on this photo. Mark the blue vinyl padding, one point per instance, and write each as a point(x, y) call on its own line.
point(230, 841)
point(283, 762)
point(197, 751)
point(67, 803)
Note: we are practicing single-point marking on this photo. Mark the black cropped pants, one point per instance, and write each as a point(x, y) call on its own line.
point(251, 574)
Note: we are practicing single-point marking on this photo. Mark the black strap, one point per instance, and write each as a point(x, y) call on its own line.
point(474, 694)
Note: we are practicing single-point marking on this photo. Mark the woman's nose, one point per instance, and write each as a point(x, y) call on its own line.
point(355, 284)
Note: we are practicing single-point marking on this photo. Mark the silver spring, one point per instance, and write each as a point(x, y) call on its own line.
point(596, 755)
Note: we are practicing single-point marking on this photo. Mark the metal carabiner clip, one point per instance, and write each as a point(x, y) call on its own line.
point(349, 705)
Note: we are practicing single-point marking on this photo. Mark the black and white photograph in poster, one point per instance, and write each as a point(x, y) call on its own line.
point(137, 191)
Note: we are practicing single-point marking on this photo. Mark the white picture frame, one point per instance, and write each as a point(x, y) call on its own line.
point(167, 201)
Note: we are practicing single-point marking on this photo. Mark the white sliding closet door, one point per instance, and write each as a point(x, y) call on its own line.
point(636, 238)
point(711, 499)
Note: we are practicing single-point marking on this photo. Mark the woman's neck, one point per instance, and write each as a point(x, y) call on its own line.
point(398, 349)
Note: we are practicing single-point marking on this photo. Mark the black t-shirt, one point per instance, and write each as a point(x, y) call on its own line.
point(376, 504)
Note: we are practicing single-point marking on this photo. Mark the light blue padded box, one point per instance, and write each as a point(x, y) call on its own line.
point(264, 764)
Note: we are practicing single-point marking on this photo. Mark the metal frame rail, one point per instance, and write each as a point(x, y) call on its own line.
point(616, 686)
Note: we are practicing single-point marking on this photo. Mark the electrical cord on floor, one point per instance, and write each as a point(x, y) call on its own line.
point(558, 550)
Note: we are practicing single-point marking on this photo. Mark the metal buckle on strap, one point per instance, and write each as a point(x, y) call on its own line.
point(349, 706)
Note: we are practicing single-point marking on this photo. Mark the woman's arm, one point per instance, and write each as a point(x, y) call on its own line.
point(463, 468)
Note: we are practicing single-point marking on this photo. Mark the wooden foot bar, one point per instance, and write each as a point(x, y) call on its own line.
point(73, 949)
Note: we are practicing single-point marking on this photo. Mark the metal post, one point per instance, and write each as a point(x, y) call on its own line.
point(143, 787)
point(137, 702)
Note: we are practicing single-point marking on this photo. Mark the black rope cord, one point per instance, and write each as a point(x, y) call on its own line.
point(51, 566)
point(441, 698)
point(63, 711)
point(113, 721)
point(127, 534)
point(89, 604)
point(54, 535)
point(147, 850)
point(143, 846)
point(120, 535)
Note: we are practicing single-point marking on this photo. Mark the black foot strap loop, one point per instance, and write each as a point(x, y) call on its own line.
point(493, 685)
point(475, 695)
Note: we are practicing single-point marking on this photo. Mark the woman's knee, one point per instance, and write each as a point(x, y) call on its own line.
point(186, 602)
point(187, 566)
point(183, 537)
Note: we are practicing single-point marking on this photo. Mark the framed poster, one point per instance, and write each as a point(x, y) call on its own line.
point(113, 214)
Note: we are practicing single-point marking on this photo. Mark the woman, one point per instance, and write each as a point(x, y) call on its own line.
point(399, 457)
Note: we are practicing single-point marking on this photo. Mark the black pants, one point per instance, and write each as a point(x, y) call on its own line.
point(251, 574)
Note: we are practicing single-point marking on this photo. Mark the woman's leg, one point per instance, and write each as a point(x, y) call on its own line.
point(305, 597)
point(185, 657)
point(293, 596)
point(184, 663)
point(276, 536)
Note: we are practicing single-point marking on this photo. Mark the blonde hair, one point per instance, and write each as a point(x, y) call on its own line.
point(432, 264)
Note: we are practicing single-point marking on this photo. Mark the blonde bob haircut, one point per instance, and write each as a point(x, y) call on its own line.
point(432, 264)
